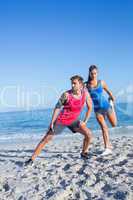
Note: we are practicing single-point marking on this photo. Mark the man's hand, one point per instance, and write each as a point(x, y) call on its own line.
point(82, 123)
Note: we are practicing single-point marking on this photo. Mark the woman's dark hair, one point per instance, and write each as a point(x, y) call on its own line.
point(91, 68)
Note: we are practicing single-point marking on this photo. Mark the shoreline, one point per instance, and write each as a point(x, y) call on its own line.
point(115, 132)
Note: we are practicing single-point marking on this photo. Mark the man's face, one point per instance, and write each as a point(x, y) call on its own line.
point(76, 85)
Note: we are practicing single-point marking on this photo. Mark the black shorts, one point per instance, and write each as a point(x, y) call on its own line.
point(58, 128)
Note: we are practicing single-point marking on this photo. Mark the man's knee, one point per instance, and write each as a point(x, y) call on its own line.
point(49, 135)
point(104, 127)
point(88, 135)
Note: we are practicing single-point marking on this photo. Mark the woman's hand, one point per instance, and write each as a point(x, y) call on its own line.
point(112, 98)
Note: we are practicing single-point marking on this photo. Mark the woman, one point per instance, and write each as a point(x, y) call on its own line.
point(102, 107)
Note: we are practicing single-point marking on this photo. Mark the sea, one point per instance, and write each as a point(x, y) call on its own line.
point(34, 123)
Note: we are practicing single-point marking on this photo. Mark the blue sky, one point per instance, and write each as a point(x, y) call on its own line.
point(44, 42)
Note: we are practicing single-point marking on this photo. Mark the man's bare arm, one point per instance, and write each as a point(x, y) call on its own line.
point(62, 100)
point(89, 108)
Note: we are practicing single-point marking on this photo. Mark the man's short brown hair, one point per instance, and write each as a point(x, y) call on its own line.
point(79, 78)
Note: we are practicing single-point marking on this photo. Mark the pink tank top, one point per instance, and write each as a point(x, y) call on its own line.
point(71, 109)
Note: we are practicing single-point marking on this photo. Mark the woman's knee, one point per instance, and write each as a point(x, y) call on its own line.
point(113, 119)
point(114, 123)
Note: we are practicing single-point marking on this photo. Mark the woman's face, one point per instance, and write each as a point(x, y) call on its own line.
point(93, 74)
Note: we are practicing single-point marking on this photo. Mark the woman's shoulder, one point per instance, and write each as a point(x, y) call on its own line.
point(102, 82)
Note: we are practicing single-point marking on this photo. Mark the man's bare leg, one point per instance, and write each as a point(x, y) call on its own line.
point(48, 137)
point(87, 138)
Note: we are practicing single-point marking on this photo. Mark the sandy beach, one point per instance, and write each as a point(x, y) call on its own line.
point(59, 173)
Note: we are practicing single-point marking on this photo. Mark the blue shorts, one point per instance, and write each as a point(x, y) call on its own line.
point(104, 111)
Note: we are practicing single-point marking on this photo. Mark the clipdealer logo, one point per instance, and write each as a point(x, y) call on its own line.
point(19, 97)
point(124, 100)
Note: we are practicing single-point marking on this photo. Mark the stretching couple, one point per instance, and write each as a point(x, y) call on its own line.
point(69, 107)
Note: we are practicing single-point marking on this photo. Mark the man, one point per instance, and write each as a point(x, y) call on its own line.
point(66, 114)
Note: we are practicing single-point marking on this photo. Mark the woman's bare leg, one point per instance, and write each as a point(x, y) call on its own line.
point(112, 118)
point(105, 132)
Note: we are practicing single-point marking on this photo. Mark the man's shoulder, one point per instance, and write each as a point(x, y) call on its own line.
point(66, 93)
point(86, 93)
point(64, 97)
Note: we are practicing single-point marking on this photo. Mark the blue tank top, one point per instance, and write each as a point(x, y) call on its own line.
point(98, 98)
